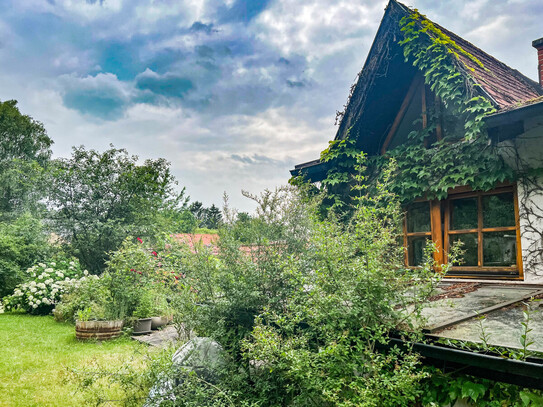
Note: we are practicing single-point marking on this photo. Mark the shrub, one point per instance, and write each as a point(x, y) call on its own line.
point(139, 278)
point(46, 282)
point(22, 243)
point(89, 296)
point(306, 317)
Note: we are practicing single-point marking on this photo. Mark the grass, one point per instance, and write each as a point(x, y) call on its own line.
point(36, 353)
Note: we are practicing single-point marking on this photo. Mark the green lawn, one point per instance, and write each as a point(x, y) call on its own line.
point(35, 354)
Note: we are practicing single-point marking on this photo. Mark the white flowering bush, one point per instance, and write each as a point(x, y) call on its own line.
point(45, 283)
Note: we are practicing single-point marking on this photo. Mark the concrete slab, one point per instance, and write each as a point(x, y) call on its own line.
point(503, 328)
point(448, 310)
point(160, 338)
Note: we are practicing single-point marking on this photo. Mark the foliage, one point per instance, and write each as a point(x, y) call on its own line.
point(101, 198)
point(139, 278)
point(426, 167)
point(24, 153)
point(44, 286)
point(23, 242)
point(445, 389)
point(339, 180)
point(302, 312)
point(87, 300)
point(466, 159)
point(208, 218)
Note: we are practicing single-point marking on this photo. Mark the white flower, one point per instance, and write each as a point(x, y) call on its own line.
point(38, 302)
point(32, 283)
point(53, 264)
point(35, 306)
point(72, 263)
point(46, 301)
point(41, 276)
point(85, 272)
point(59, 274)
point(49, 281)
point(41, 285)
point(42, 265)
point(33, 289)
point(30, 298)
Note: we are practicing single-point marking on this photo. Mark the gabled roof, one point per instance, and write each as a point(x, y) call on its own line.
point(386, 77)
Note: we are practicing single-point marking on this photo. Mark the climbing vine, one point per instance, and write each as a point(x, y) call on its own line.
point(423, 167)
point(465, 159)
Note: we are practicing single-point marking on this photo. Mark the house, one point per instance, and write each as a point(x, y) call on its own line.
point(478, 126)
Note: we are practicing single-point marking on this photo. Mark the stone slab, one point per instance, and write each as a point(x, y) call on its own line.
point(503, 328)
point(447, 310)
point(159, 338)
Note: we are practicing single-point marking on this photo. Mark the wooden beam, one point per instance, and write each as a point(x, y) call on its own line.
point(401, 113)
point(437, 233)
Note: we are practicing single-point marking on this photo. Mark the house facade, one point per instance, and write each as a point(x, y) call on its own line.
point(468, 133)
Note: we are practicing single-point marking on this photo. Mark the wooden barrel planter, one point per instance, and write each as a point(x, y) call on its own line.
point(98, 330)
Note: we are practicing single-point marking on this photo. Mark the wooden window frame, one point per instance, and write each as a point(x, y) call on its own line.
point(441, 235)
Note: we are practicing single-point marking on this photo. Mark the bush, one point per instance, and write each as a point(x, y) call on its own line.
point(89, 296)
point(46, 282)
point(22, 244)
point(302, 316)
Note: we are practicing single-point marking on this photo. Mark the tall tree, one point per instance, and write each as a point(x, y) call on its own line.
point(24, 153)
point(100, 198)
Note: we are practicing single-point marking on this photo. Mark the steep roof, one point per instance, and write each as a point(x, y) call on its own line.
point(505, 87)
point(385, 78)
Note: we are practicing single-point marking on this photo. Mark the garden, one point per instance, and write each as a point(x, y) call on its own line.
point(294, 305)
point(287, 309)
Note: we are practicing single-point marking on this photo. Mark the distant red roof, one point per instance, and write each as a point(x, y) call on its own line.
point(193, 239)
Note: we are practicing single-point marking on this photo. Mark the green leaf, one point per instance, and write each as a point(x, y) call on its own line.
point(472, 390)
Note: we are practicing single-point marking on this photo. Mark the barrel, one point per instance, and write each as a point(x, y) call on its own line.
point(98, 330)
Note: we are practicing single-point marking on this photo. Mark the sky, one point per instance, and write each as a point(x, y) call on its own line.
point(233, 93)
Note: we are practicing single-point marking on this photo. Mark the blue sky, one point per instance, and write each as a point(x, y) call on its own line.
point(232, 92)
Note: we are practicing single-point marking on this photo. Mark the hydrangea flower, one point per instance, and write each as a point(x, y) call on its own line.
point(46, 282)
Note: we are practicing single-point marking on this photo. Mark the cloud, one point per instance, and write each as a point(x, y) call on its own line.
point(242, 10)
point(232, 92)
point(167, 85)
point(102, 96)
point(255, 159)
point(198, 26)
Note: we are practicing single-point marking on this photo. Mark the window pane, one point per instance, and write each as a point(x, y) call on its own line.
point(469, 247)
point(498, 210)
point(500, 249)
point(418, 217)
point(464, 213)
point(415, 249)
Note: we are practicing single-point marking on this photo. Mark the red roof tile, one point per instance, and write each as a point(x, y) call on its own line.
point(505, 85)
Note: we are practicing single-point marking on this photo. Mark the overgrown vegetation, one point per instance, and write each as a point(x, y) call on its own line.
point(427, 166)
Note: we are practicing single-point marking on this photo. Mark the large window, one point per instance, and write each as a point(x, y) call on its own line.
point(486, 224)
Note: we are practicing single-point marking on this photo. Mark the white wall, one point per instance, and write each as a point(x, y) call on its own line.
point(523, 152)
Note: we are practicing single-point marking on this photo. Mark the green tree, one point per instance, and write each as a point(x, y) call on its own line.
point(22, 244)
point(210, 218)
point(213, 217)
point(24, 153)
point(101, 198)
